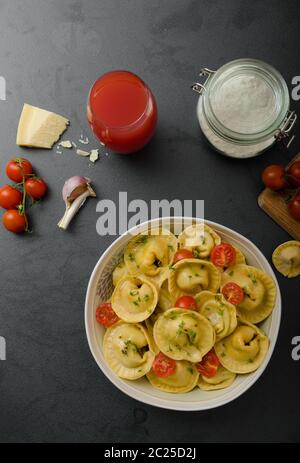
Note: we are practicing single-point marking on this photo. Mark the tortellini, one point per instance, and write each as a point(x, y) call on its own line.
point(165, 299)
point(190, 276)
point(223, 378)
point(184, 334)
point(149, 253)
point(201, 340)
point(184, 379)
point(259, 291)
point(127, 350)
point(119, 272)
point(134, 299)
point(286, 259)
point(200, 239)
point(218, 311)
point(244, 350)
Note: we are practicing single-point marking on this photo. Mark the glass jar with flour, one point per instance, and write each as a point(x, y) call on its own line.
point(244, 107)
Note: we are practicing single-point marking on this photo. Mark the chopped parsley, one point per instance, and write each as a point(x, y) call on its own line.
point(171, 268)
point(231, 273)
point(130, 345)
point(196, 253)
point(190, 370)
point(191, 336)
point(180, 329)
point(133, 293)
point(252, 278)
point(142, 239)
point(131, 257)
point(146, 298)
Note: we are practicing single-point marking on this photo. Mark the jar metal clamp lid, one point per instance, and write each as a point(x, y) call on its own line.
point(244, 107)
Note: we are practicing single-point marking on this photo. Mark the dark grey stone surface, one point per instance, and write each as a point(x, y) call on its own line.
point(51, 390)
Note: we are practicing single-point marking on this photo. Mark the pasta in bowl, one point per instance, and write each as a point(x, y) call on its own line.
point(172, 332)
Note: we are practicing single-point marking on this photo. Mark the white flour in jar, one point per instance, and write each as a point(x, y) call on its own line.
point(245, 104)
point(226, 147)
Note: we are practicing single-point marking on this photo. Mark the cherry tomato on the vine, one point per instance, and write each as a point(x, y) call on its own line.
point(17, 168)
point(10, 197)
point(293, 174)
point(14, 221)
point(294, 207)
point(274, 177)
point(35, 187)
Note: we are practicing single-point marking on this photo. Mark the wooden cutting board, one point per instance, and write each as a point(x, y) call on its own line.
point(275, 206)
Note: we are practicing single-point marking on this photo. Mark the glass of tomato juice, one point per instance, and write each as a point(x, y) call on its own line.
point(122, 111)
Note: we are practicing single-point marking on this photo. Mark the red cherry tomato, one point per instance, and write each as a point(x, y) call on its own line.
point(274, 177)
point(10, 197)
point(186, 302)
point(223, 255)
point(208, 366)
point(16, 168)
point(293, 174)
point(14, 221)
point(233, 293)
point(105, 315)
point(294, 207)
point(35, 187)
point(183, 254)
point(163, 366)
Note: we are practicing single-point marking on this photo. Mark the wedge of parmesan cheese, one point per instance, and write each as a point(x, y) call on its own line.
point(39, 128)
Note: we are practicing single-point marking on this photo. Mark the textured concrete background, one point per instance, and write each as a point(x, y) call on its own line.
point(51, 390)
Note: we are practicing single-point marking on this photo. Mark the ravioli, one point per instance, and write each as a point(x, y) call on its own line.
point(286, 259)
point(259, 291)
point(190, 276)
point(220, 313)
point(244, 350)
point(134, 299)
point(184, 334)
point(200, 239)
point(148, 253)
point(127, 350)
point(184, 379)
point(222, 379)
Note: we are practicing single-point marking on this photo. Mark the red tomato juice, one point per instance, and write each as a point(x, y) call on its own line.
point(122, 111)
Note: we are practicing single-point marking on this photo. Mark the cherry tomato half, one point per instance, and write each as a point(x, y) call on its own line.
point(274, 177)
point(233, 293)
point(208, 366)
point(293, 174)
point(10, 197)
point(16, 168)
point(35, 187)
point(14, 221)
point(294, 207)
point(163, 366)
point(186, 302)
point(105, 315)
point(183, 254)
point(223, 255)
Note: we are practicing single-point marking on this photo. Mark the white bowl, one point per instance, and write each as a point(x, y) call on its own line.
point(100, 289)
